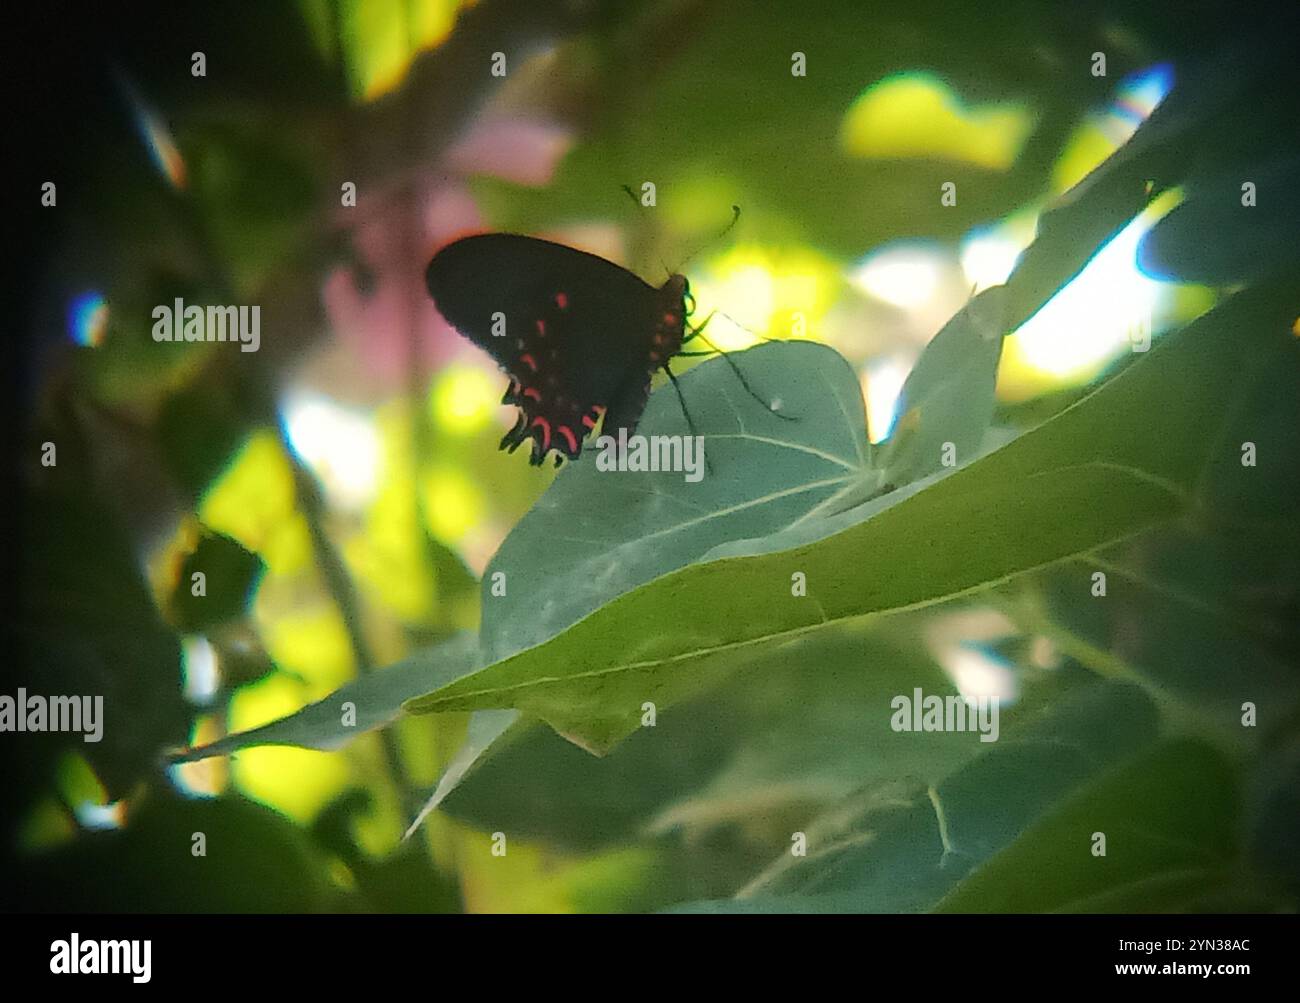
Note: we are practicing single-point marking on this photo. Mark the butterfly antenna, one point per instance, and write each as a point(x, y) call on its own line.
point(735, 217)
point(632, 195)
point(690, 422)
point(747, 330)
point(726, 357)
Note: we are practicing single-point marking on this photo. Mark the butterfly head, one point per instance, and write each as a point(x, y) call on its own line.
point(677, 296)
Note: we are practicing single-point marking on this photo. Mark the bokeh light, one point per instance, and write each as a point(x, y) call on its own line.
point(918, 115)
point(1104, 132)
point(1111, 306)
point(464, 398)
point(88, 319)
point(905, 275)
point(338, 444)
point(882, 382)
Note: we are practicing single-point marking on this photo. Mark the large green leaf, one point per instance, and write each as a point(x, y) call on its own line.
point(961, 534)
point(1169, 821)
point(786, 737)
point(598, 534)
point(900, 845)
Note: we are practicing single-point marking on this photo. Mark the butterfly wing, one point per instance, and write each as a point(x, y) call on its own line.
point(574, 332)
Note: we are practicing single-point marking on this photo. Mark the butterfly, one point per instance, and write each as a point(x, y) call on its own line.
point(579, 336)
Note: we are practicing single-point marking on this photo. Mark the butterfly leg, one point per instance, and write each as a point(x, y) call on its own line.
point(512, 439)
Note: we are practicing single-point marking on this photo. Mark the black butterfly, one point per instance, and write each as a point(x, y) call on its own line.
point(577, 335)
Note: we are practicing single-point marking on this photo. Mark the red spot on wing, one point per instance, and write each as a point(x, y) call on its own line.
point(562, 300)
point(545, 426)
point(541, 327)
point(589, 421)
point(532, 392)
point(529, 361)
point(567, 432)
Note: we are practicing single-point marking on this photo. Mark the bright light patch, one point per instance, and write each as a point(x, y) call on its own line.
point(385, 556)
point(989, 254)
point(1106, 309)
point(1140, 93)
point(962, 642)
point(88, 319)
point(85, 793)
point(453, 505)
point(254, 499)
point(207, 778)
point(199, 668)
point(381, 38)
point(773, 292)
point(882, 382)
point(917, 115)
point(904, 275)
point(298, 782)
point(156, 136)
point(340, 446)
point(1101, 134)
point(749, 291)
point(464, 399)
point(100, 816)
point(311, 642)
point(979, 672)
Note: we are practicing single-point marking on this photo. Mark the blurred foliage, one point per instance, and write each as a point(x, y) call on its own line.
point(341, 494)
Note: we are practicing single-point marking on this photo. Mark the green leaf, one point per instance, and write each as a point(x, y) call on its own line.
point(378, 697)
point(486, 732)
point(783, 739)
point(1206, 618)
point(766, 473)
point(257, 862)
point(1168, 816)
point(947, 399)
point(899, 845)
point(817, 729)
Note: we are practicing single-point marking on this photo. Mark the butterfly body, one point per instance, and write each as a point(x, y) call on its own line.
point(577, 335)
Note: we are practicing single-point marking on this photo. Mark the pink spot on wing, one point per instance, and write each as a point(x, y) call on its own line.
point(565, 431)
point(562, 301)
point(528, 361)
